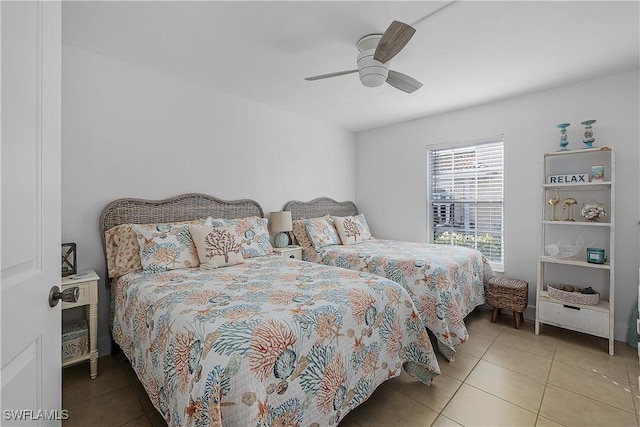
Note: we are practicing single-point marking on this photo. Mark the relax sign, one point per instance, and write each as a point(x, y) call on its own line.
point(574, 178)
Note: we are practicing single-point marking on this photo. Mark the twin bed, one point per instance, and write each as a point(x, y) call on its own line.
point(445, 282)
point(261, 340)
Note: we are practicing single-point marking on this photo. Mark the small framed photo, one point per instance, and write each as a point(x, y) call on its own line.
point(69, 260)
point(597, 173)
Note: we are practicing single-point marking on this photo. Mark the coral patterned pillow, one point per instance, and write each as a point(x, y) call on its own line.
point(322, 232)
point(251, 233)
point(165, 247)
point(217, 246)
point(300, 233)
point(123, 249)
point(352, 229)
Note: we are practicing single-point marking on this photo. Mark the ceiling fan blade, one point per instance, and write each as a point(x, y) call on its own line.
point(393, 40)
point(403, 82)
point(326, 76)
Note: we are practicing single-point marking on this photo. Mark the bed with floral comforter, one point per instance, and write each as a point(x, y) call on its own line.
point(271, 341)
point(445, 282)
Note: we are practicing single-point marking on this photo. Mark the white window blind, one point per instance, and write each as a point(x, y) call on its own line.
point(466, 196)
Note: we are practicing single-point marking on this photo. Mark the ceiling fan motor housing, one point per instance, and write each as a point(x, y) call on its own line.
point(372, 73)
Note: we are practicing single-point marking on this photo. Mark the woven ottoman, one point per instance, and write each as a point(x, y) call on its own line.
point(510, 294)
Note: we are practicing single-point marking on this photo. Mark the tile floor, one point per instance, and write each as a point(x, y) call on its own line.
point(501, 377)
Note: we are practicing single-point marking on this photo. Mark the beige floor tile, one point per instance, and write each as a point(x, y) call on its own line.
point(546, 422)
point(114, 408)
point(435, 396)
point(527, 340)
point(636, 398)
point(473, 407)
point(476, 346)
point(633, 370)
point(595, 361)
point(480, 324)
point(625, 350)
point(518, 360)
point(389, 408)
point(509, 385)
point(459, 368)
point(443, 421)
point(571, 409)
point(578, 339)
point(607, 390)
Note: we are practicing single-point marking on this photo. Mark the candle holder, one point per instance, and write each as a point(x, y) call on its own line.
point(588, 133)
point(563, 136)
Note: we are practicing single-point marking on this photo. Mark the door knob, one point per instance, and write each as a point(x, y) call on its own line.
point(68, 295)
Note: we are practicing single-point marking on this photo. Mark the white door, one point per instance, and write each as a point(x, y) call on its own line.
point(30, 215)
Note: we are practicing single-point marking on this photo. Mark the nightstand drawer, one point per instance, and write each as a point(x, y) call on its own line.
point(84, 295)
point(294, 252)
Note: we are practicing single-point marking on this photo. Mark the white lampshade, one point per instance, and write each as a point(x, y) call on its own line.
point(280, 221)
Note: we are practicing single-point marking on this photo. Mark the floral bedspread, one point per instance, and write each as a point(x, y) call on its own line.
point(445, 282)
point(269, 342)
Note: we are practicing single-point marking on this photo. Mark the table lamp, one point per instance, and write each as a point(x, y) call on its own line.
point(279, 223)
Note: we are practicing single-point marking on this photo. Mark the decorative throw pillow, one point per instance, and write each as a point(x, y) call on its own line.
point(251, 233)
point(300, 233)
point(321, 231)
point(165, 247)
point(123, 250)
point(352, 229)
point(217, 246)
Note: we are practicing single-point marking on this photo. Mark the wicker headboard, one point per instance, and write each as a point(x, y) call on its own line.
point(320, 207)
point(185, 207)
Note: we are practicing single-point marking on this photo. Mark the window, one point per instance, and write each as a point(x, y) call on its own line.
point(466, 198)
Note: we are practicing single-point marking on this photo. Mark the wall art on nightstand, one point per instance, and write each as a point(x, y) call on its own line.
point(69, 260)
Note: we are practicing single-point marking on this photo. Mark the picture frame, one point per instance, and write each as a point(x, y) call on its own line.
point(69, 259)
point(597, 173)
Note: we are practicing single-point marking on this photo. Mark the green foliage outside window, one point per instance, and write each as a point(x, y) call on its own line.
point(491, 247)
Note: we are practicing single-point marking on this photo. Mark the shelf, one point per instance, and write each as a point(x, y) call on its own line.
point(574, 261)
point(602, 306)
point(581, 151)
point(582, 223)
point(605, 185)
point(75, 360)
point(571, 166)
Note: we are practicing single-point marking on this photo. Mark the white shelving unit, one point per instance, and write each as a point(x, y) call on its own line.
point(591, 319)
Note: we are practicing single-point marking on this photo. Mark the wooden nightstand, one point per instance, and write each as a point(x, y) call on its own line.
point(87, 282)
point(291, 251)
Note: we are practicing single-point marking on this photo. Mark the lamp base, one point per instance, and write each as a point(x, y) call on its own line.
point(281, 240)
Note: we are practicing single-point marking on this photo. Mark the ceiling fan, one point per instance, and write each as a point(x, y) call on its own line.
point(376, 50)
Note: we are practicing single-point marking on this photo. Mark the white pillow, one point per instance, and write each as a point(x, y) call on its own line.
point(217, 246)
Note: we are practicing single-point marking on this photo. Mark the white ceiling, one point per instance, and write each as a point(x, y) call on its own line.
point(470, 53)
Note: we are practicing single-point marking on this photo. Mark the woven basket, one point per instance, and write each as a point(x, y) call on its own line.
point(557, 293)
point(508, 293)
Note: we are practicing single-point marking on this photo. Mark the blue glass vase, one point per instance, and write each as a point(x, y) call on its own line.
point(588, 133)
point(563, 136)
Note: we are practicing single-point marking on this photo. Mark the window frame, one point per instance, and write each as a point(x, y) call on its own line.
point(430, 220)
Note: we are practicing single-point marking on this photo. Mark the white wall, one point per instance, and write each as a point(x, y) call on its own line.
point(391, 168)
point(132, 132)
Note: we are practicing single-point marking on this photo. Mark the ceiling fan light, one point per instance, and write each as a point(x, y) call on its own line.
point(372, 73)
